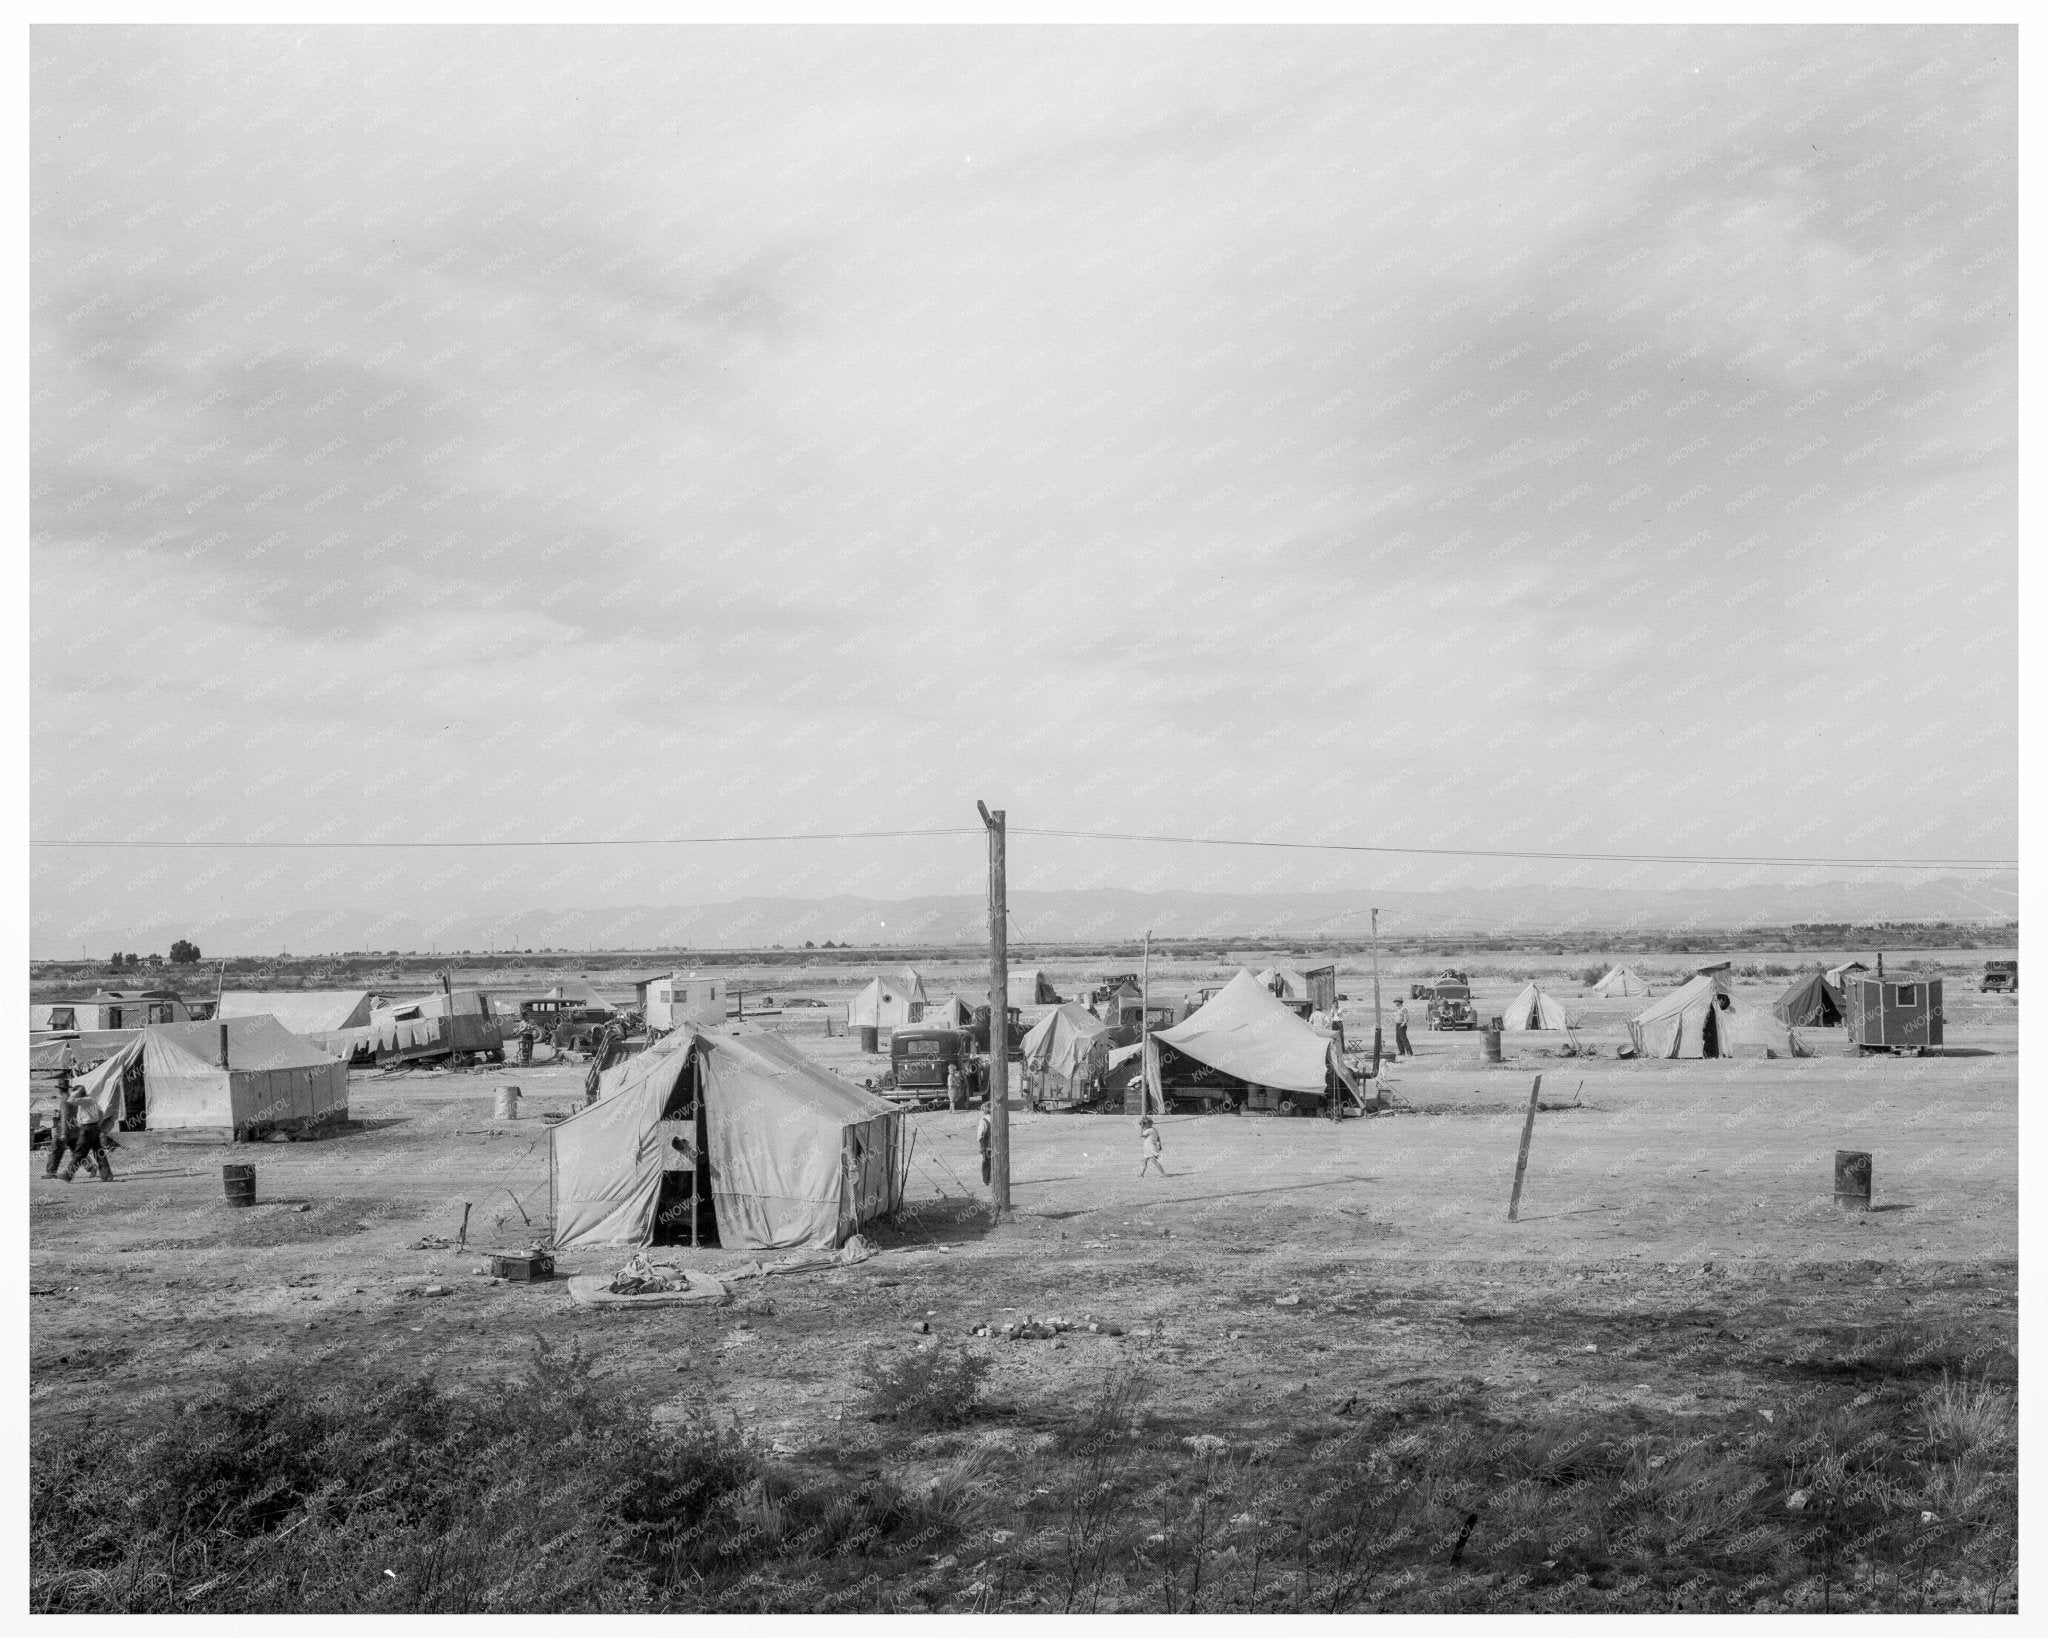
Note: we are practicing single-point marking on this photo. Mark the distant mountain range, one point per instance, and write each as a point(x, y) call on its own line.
point(1099, 915)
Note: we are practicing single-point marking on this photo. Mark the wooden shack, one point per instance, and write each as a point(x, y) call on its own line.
point(1887, 1013)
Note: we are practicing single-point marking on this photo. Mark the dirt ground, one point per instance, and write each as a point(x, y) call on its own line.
point(1677, 1237)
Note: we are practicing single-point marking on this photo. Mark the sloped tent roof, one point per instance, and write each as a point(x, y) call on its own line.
point(951, 1013)
point(1031, 988)
point(1247, 1032)
point(1809, 1002)
point(1293, 986)
point(1533, 1009)
point(303, 1012)
point(886, 1000)
point(1675, 1026)
point(1622, 981)
point(1061, 1043)
point(272, 1075)
point(797, 1154)
point(1835, 975)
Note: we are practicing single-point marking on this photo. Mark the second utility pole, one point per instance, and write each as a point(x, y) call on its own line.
point(998, 1014)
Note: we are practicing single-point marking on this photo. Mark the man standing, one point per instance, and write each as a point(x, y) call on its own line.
point(526, 1036)
point(1401, 1047)
point(86, 1145)
point(956, 1085)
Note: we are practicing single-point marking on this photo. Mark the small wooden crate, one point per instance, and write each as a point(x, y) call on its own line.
point(522, 1265)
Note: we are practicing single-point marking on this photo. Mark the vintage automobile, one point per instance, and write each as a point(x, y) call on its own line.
point(1450, 1004)
point(2000, 978)
point(922, 1059)
point(549, 1013)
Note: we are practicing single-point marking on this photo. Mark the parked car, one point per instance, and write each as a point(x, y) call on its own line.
point(921, 1061)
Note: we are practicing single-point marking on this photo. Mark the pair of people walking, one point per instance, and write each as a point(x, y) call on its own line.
point(77, 1132)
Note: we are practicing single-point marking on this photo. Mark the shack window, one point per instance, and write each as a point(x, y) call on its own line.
point(1908, 995)
point(61, 1018)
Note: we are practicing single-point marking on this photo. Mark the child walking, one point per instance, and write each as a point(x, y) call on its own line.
point(1148, 1141)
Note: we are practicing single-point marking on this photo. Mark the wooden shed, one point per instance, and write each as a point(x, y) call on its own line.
point(1886, 1013)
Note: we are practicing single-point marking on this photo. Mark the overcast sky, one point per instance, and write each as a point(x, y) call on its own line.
point(1575, 438)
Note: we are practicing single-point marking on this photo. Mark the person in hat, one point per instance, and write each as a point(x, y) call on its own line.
point(1149, 1143)
point(1401, 1047)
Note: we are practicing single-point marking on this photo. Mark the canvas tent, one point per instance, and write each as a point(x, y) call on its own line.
point(1533, 1009)
point(1062, 1051)
point(951, 1013)
point(273, 1079)
point(1702, 1019)
point(1622, 981)
point(1810, 1002)
point(1838, 976)
point(889, 1001)
point(335, 1021)
point(1031, 988)
point(1248, 1034)
point(793, 1155)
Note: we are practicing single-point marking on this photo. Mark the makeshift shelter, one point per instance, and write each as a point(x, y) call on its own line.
point(1839, 976)
point(1810, 1002)
point(951, 1013)
point(1702, 1019)
point(435, 1026)
point(1533, 1009)
point(1622, 981)
point(271, 1080)
point(785, 1153)
point(890, 999)
point(1885, 1011)
point(1064, 1052)
point(1247, 1043)
point(128, 1009)
point(1031, 988)
point(1317, 986)
point(673, 999)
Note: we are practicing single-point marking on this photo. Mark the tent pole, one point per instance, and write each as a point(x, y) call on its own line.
point(1377, 1038)
point(1145, 1012)
point(696, 1145)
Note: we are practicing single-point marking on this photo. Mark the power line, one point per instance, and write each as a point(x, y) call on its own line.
point(598, 841)
point(1783, 862)
point(1514, 853)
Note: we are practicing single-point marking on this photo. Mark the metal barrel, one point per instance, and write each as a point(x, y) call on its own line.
point(239, 1184)
point(1493, 1046)
point(1852, 1180)
point(870, 1038)
point(507, 1105)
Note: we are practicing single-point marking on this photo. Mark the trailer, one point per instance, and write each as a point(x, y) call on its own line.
point(1886, 1013)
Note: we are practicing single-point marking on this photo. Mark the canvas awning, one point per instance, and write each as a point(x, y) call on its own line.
point(1248, 1033)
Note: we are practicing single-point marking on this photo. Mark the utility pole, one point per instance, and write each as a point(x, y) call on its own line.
point(1145, 1019)
point(998, 1011)
point(1376, 1036)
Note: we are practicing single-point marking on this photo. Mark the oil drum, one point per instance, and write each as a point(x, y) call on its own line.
point(239, 1182)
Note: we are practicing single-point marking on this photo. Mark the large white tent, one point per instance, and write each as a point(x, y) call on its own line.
point(1533, 1009)
point(1032, 988)
point(1250, 1035)
point(890, 1001)
point(796, 1156)
point(1703, 1019)
point(335, 1021)
point(1622, 981)
point(1061, 1050)
point(272, 1080)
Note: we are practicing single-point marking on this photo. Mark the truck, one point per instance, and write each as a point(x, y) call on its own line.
point(1450, 1002)
point(2001, 978)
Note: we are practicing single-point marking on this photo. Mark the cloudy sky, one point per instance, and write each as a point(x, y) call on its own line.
point(1566, 439)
